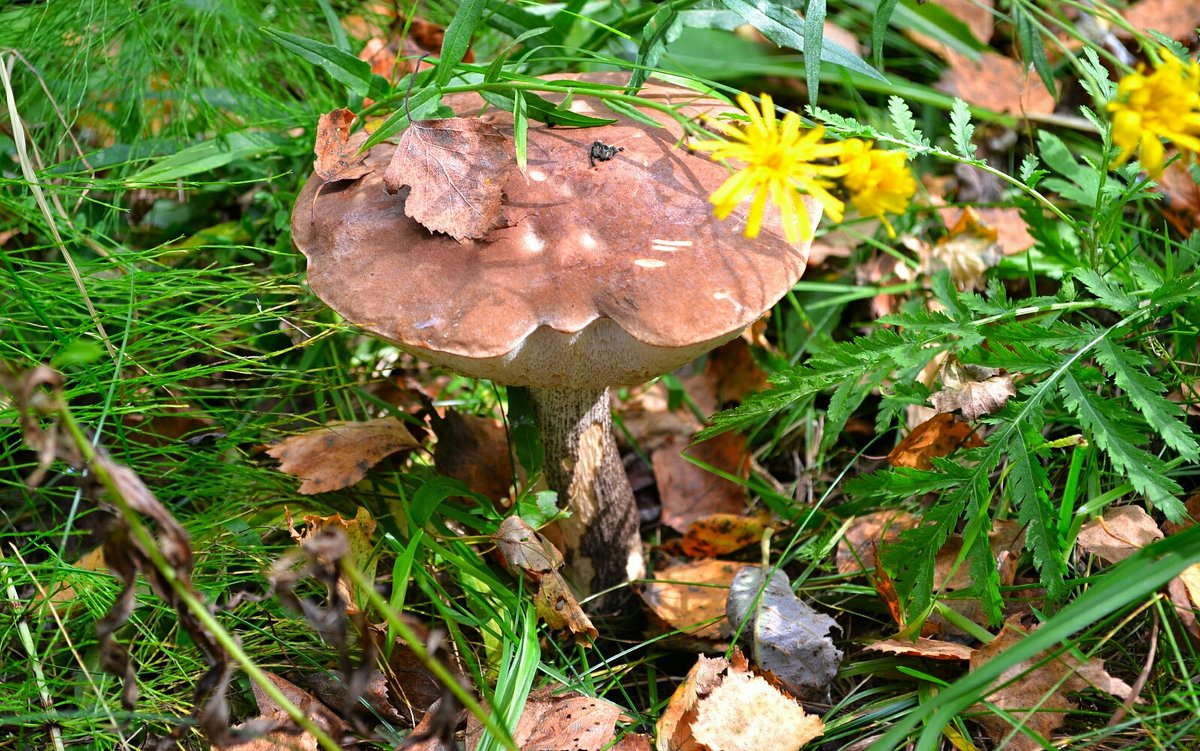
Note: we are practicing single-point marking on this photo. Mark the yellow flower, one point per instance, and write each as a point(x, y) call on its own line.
point(780, 164)
point(879, 181)
point(1163, 104)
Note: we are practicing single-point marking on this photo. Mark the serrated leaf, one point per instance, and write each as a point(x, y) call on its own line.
point(1095, 79)
point(1029, 488)
point(1145, 392)
point(903, 122)
point(1030, 174)
point(1110, 296)
point(961, 129)
point(1108, 425)
point(845, 126)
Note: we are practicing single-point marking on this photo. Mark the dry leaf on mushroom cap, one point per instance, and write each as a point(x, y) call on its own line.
point(337, 158)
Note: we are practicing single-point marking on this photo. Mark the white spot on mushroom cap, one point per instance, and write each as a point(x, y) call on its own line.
point(537, 175)
point(649, 263)
point(587, 240)
point(670, 246)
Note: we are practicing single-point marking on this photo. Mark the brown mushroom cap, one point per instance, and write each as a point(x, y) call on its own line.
point(608, 275)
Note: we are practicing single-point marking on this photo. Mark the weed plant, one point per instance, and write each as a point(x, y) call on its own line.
point(149, 158)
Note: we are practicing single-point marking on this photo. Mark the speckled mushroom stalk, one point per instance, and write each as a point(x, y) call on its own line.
point(599, 273)
point(583, 466)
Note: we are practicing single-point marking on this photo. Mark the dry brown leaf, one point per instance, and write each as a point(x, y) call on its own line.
point(339, 454)
point(1005, 535)
point(1181, 196)
point(358, 532)
point(997, 83)
point(529, 554)
point(650, 421)
point(723, 533)
point(969, 248)
point(1031, 685)
point(336, 158)
point(973, 390)
point(866, 534)
point(788, 637)
point(691, 597)
point(271, 715)
point(1184, 591)
point(454, 169)
point(474, 451)
point(722, 706)
point(976, 14)
point(1118, 534)
point(690, 492)
point(555, 719)
point(1177, 19)
point(730, 375)
point(942, 435)
point(930, 649)
point(91, 562)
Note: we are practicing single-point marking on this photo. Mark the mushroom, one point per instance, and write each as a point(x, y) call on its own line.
point(609, 269)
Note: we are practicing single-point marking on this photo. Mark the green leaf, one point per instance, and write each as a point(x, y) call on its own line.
point(1111, 430)
point(663, 28)
point(1165, 416)
point(961, 129)
point(879, 24)
point(523, 432)
point(206, 156)
point(1110, 296)
point(905, 125)
point(784, 27)
point(1129, 582)
point(520, 130)
point(814, 34)
point(420, 104)
point(457, 40)
point(1029, 488)
point(545, 111)
point(1032, 46)
point(345, 68)
point(633, 113)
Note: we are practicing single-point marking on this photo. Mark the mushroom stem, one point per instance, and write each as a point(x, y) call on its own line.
point(601, 541)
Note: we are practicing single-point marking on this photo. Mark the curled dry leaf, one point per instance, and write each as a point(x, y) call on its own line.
point(1041, 682)
point(339, 454)
point(528, 554)
point(556, 719)
point(1120, 533)
point(358, 532)
point(454, 169)
point(973, 390)
point(866, 534)
point(722, 706)
point(939, 436)
point(691, 597)
point(787, 636)
point(969, 248)
point(689, 491)
point(337, 159)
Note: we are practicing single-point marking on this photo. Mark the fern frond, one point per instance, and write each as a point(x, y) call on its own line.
point(1029, 488)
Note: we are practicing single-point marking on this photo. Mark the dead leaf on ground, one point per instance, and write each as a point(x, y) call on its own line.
point(1118, 534)
point(358, 532)
point(271, 715)
point(787, 636)
point(649, 420)
point(866, 534)
point(973, 390)
point(691, 597)
point(942, 435)
point(690, 492)
point(1177, 19)
point(556, 719)
point(1184, 591)
point(930, 649)
point(530, 555)
point(997, 83)
point(976, 14)
point(1031, 685)
point(719, 534)
point(885, 270)
point(474, 451)
point(337, 159)
point(969, 248)
point(339, 454)
point(722, 706)
point(1011, 231)
point(730, 375)
point(454, 169)
point(1181, 197)
point(92, 562)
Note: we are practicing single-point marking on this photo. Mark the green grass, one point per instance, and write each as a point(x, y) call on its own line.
point(166, 291)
